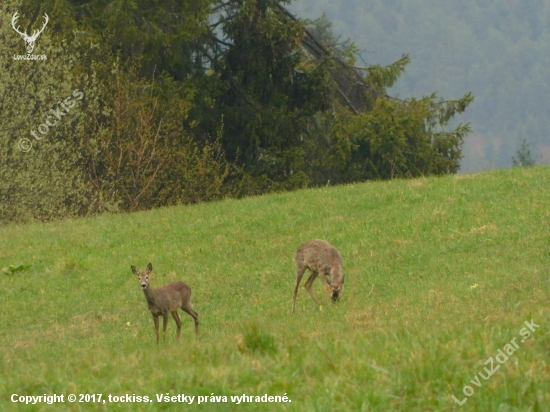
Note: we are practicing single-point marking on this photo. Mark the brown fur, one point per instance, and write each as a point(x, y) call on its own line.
point(166, 300)
point(321, 258)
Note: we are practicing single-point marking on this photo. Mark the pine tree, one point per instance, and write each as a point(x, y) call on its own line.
point(524, 156)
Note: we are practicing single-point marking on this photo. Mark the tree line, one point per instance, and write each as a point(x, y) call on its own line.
point(192, 101)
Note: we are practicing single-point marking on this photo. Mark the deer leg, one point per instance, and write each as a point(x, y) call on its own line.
point(326, 283)
point(164, 324)
point(156, 319)
point(309, 284)
point(178, 323)
point(299, 274)
point(195, 317)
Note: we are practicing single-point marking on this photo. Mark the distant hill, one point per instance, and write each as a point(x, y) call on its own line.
point(498, 50)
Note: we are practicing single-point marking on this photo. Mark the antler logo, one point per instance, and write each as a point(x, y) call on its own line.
point(29, 39)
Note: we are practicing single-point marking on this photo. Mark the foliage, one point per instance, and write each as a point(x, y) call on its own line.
point(321, 29)
point(256, 340)
point(271, 92)
point(123, 146)
point(498, 50)
point(224, 99)
point(524, 156)
point(140, 151)
point(168, 35)
point(403, 139)
point(391, 137)
point(44, 183)
point(278, 140)
point(11, 269)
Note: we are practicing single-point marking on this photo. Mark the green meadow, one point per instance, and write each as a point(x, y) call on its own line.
point(441, 274)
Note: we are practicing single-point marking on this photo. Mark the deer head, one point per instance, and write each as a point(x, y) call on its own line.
point(29, 39)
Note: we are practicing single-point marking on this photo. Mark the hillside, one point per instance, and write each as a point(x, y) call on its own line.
point(441, 273)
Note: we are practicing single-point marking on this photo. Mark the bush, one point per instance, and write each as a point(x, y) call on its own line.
point(256, 340)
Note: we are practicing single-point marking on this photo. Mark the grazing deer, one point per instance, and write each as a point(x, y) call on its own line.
point(321, 258)
point(166, 299)
point(28, 39)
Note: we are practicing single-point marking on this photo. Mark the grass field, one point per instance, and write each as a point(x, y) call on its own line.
point(441, 274)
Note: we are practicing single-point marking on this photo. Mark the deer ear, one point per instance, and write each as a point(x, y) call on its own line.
point(135, 270)
point(149, 268)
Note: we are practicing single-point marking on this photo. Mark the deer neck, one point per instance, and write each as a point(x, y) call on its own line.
point(337, 276)
point(149, 295)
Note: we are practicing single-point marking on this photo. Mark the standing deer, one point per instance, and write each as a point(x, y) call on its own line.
point(29, 39)
point(166, 299)
point(321, 258)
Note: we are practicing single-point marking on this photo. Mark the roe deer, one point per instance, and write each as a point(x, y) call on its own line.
point(321, 258)
point(166, 299)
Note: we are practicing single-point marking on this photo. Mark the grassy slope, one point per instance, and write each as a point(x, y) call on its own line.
point(409, 331)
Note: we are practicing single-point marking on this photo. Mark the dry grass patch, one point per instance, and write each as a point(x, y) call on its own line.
point(417, 183)
point(483, 229)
